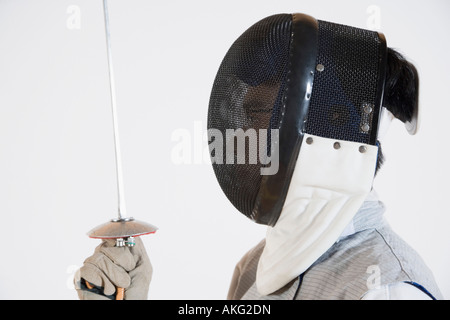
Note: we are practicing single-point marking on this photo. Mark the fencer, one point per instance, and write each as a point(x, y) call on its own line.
point(324, 93)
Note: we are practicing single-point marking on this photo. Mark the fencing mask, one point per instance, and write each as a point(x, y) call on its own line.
point(293, 121)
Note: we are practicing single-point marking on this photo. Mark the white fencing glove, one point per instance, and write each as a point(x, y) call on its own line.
point(111, 267)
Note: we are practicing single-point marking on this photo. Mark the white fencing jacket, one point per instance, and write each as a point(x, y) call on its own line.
point(369, 261)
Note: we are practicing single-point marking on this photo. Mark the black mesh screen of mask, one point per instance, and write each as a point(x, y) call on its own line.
point(264, 82)
point(344, 95)
point(247, 94)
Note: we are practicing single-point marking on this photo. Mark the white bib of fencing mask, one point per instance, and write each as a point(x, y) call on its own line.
point(330, 182)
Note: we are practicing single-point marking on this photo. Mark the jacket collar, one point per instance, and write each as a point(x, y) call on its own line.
point(369, 216)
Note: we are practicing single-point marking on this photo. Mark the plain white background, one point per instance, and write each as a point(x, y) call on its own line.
point(56, 148)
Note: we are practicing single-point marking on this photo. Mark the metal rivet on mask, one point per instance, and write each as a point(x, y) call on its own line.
point(367, 108)
point(337, 145)
point(309, 140)
point(320, 67)
point(365, 127)
point(362, 149)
